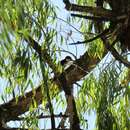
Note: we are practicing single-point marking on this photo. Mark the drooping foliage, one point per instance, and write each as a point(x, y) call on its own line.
point(36, 90)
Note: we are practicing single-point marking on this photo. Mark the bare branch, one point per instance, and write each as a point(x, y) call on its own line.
point(96, 11)
point(92, 39)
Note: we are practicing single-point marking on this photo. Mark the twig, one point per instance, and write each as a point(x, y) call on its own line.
point(63, 50)
point(69, 24)
point(92, 39)
point(62, 122)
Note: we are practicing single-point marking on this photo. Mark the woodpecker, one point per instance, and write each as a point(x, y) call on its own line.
point(66, 62)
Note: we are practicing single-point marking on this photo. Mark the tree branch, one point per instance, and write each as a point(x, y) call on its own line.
point(71, 106)
point(96, 11)
point(95, 18)
point(91, 39)
point(113, 51)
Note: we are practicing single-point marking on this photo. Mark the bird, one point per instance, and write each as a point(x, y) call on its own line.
point(66, 62)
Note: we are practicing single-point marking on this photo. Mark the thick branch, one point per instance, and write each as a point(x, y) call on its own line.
point(10, 111)
point(71, 106)
point(97, 11)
